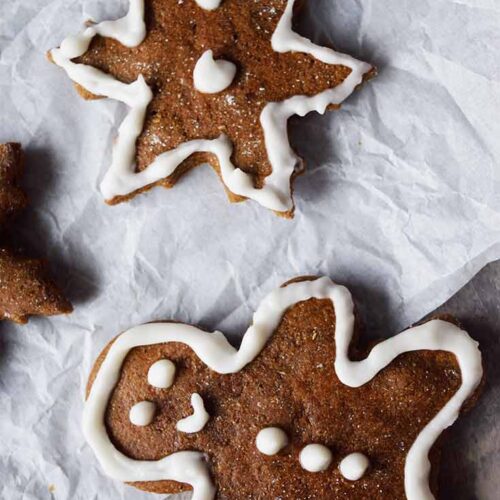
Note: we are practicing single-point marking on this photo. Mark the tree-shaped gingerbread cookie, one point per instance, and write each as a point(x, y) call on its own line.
point(299, 411)
point(25, 287)
point(208, 81)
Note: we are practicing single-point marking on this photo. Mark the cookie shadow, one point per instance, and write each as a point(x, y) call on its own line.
point(311, 136)
point(342, 29)
point(459, 473)
point(469, 456)
point(5, 351)
point(37, 233)
point(373, 315)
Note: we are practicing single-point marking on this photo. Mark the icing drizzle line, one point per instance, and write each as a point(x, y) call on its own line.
point(121, 178)
point(219, 355)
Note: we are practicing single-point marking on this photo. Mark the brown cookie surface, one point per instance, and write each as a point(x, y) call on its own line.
point(25, 286)
point(239, 31)
point(293, 385)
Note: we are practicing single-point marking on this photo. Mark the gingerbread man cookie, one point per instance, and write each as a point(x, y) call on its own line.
point(298, 411)
point(208, 82)
point(25, 287)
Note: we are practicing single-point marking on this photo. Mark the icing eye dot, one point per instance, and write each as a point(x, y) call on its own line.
point(315, 458)
point(142, 414)
point(354, 466)
point(271, 440)
point(161, 374)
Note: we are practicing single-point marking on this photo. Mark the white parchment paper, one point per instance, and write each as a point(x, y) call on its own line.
point(401, 201)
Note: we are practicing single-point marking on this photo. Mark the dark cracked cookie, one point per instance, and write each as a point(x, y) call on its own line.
point(25, 286)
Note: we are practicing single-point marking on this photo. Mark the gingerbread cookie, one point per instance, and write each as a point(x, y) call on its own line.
point(208, 82)
point(25, 287)
point(298, 411)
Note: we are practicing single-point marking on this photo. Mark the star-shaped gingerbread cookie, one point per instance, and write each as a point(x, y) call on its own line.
point(208, 81)
point(299, 411)
point(25, 287)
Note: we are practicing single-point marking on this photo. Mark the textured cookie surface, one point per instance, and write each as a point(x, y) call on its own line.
point(25, 287)
point(237, 31)
point(292, 384)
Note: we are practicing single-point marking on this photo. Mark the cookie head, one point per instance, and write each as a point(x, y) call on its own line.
point(208, 82)
point(297, 411)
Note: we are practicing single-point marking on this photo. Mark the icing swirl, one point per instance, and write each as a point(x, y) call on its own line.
point(196, 421)
point(211, 76)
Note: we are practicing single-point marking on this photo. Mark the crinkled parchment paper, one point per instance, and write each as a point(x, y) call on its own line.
point(401, 201)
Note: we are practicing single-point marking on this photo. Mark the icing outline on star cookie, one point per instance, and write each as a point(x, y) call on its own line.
point(219, 355)
point(121, 178)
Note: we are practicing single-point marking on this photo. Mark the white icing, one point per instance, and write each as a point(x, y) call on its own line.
point(196, 421)
point(315, 458)
point(271, 440)
point(142, 413)
point(208, 4)
point(354, 466)
point(121, 178)
point(219, 355)
point(161, 374)
point(211, 76)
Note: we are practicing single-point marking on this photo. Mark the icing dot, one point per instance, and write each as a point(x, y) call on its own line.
point(161, 374)
point(212, 76)
point(271, 440)
point(315, 458)
point(208, 4)
point(354, 466)
point(142, 413)
point(196, 421)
